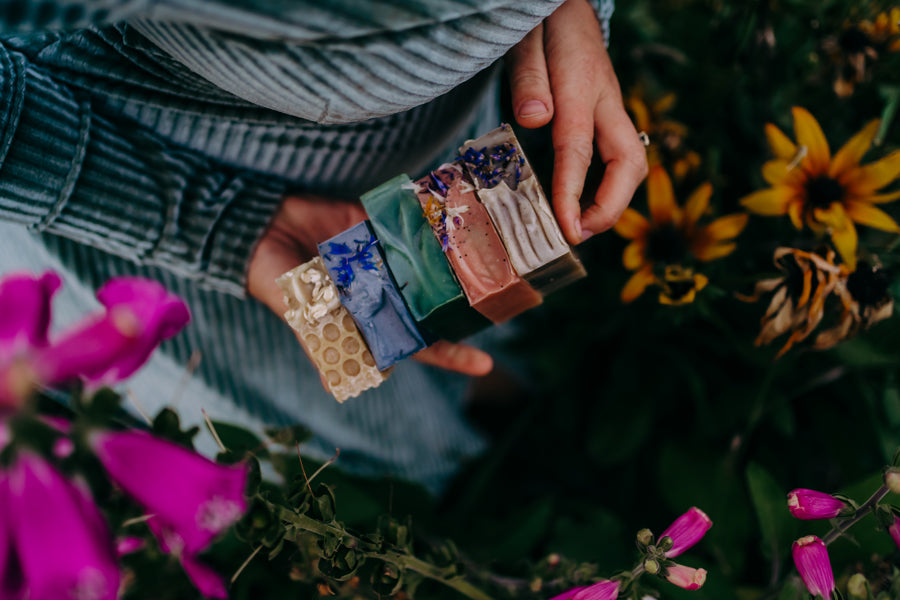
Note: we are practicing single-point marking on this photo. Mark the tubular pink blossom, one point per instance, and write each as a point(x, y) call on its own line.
point(811, 559)
point(810, 504)
point(602, 590)
point(686, 577)
point(25, 312)
point(210, 583)
point(60, 540)
point(894, 530)
point(24, 320)
point(107, 348)
point(12, 586)
point(686, 531)
point(209, 498)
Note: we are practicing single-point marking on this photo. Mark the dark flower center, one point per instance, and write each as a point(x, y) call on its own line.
point(676, 290)
point(823, 191)
point(853, 41)
point(868, 285)
point(666, 245)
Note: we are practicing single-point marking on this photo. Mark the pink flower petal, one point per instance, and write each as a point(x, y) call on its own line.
point(204, 578)
point(687, 530)
point(894, 530)
point(569, 594)
point(810, 504)
point(12, 586)
point(107, 348)
point(59, 536)
point(811, 559)
point(25, 312)
point(686, 577)
point(210, 496)
point(602, 590)
point(127, 545)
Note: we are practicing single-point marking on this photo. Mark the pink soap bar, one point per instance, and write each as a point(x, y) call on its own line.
point(472, 245)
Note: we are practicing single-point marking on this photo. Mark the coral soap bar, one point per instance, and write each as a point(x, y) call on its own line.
point(365, 287)
point(328, 332)
point(505, 183)
point(418, 264)
point(472, 245)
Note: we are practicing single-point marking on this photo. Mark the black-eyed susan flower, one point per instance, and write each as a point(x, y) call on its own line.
point(798, 301)
point(661, 245)
point(858, 47)
point(666, 137)
point(830, 194)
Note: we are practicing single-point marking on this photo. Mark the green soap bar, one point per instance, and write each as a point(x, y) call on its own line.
point(417, 262)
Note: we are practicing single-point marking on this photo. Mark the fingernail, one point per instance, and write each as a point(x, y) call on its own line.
point(532, 108)
point(578, 231)
point(585, 234)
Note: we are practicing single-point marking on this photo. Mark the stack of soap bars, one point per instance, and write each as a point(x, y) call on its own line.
point(469, 244)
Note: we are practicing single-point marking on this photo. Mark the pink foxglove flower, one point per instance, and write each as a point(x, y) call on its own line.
point(810, 504)
point(811, 559)
point(60, 543)
point(686, 531)
point(686, 577)
point(209, 498)
point(107, 348)
point(602, 590)
point(894, 530)
point(24, 320)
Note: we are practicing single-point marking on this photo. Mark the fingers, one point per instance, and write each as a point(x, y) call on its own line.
point(461, 358)
point(529, 83)
point(574, 51)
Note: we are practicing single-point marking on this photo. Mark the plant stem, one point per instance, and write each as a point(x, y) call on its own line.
point(445, 575)
point(867, 507)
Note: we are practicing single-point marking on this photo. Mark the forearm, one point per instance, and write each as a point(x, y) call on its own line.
point(67, 170)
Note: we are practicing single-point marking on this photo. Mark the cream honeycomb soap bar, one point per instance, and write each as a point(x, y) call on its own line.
point(328, 332)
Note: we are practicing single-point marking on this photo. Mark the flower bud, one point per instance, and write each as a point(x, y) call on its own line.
point(894, 530)
point(892, 479)
point(810, 504)
point(811, 559)
point(858, 587)
point(686, 531)
point(686, 577)
point(651, 566)
point(644, 537)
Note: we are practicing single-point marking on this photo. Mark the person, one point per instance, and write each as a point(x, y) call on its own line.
point(210, 144)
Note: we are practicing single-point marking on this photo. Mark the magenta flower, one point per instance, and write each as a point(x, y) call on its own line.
point(894, 530)
point(810, 504)
point(209, 498)
point(53, 540)
point(686, 577)
point(811, 559)
point(602, 590)
point(107, 348)
point(24, 320)
point(686, 530)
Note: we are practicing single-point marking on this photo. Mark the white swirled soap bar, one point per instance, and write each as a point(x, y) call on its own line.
point(328, 332)
point(506, 185)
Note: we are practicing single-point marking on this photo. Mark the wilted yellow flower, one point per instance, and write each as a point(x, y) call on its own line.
point(661, 245)
point(858, 299)
point(827, 193)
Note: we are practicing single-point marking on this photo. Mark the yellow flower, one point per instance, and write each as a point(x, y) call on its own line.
point(671, 237)
point(666, 136)
point(827, 193)
point(859, 45)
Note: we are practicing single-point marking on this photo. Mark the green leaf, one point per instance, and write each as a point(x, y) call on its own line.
point(288, 436)
point(776, 526)
point(238, 440)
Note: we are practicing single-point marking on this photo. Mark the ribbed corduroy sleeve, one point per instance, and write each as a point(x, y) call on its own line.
point(67, 170)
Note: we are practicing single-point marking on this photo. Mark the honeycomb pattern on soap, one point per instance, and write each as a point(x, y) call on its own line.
point(328, 332)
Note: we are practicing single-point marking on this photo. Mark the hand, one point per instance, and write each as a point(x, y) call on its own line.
point(561, 71)
point(292, 239)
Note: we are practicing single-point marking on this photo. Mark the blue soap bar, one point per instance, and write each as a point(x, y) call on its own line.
point(356, 264)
